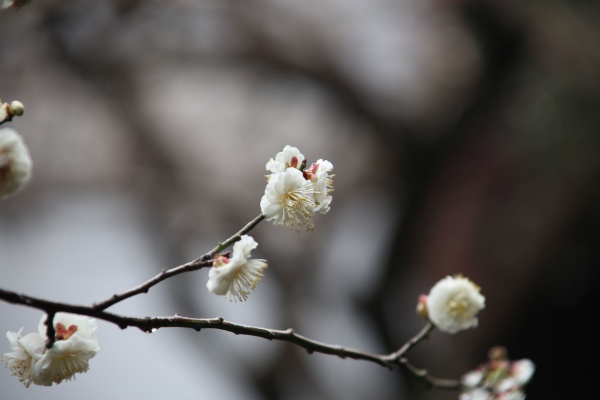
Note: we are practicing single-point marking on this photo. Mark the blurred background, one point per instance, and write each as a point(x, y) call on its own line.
point(464, 137)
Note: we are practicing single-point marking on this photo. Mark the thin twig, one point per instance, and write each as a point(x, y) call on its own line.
point(201, 262)
point(395, 356)
point(427, 380)
point(144, 287)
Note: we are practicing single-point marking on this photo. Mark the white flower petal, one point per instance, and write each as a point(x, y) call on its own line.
point(246, 280)
point(75, 345)
point(522, 371)
point(26, 350)
point(243, 247)
point(289, 157)
point(86, 326)
point(320, 175)
point(288, 199)
point(472, 378)
point(15, 162)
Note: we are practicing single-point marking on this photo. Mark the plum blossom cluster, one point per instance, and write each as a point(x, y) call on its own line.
point(237, 276)
point(75, 343)
point(452, 304)
point(293, 194)
point(498, 379)
point(15, 162)
point(294, 191)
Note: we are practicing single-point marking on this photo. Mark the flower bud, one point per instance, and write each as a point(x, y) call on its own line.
point(422, 307)
point(16, 108)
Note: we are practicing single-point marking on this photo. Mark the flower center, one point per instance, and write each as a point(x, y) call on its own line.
point(458, 307)
point(298, 206)
point(220, 260)
point(63, 333)
point(294, 163)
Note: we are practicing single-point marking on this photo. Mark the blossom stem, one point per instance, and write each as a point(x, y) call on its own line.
point(198, 263)
point(422, 335)
point(427, 380)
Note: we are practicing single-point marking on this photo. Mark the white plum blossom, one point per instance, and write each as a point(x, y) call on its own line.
point(26, 351)
point(5, 4)
point(237, 276)
point(519, 374)
point(74, 345)
point(472, 378)
point(497, 379)
point(319, 175)
point(294, 192)
point(453, 304)
point(290, 157)
point(15, 162)
point(522, 371)
point(289, 199)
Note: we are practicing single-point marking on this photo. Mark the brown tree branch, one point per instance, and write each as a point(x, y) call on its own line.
point(151, 324)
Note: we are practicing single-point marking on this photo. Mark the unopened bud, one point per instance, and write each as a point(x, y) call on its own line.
point(422, 306)
point(16, 108)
